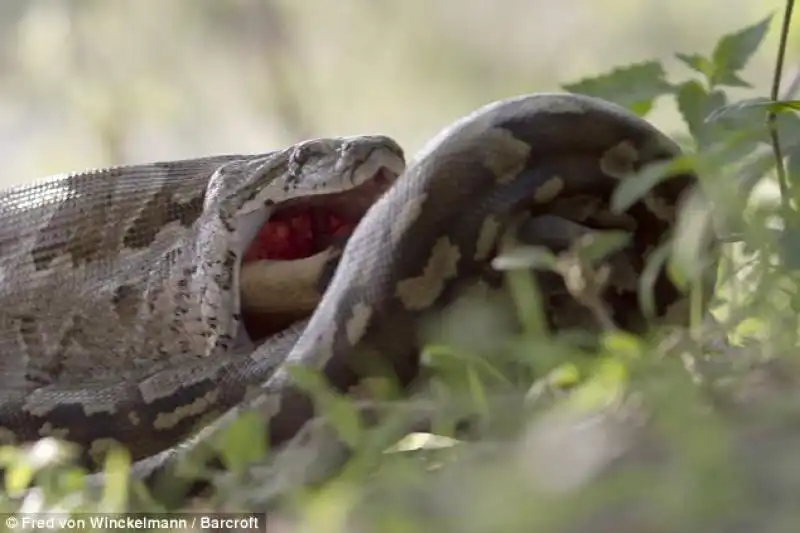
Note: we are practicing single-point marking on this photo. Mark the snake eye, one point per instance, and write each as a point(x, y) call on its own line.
point(307, 151)
point(300, 154)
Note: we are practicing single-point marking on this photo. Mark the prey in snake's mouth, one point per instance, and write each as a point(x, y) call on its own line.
point(290, 261)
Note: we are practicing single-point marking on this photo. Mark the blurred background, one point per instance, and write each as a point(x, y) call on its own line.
point(88, 83)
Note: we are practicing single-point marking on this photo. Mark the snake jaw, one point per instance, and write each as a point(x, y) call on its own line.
point(352, 205)
point(301, 227)
point(282, 267)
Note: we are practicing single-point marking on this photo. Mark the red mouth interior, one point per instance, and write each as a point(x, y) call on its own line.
point(303, 229)
point(296, 233)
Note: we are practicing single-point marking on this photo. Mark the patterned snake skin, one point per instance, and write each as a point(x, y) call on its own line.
point(123, 289)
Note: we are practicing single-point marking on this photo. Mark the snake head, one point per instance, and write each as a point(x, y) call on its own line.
point(288, 264)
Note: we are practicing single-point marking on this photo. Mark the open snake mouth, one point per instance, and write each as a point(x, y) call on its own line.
point(291, 258)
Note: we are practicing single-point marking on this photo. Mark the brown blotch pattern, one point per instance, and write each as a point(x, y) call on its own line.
point(80, 225)
point(486, 238)
point(505, 155)
point(100, 447)
point(409, 213)
point(161, 209)
point(619, 161)
point(7, 436)
point(622, 221)
point(126, 301)
point(549, 190)
point(659, 207)
point(49, 430)
point(422, 291)
point(358, 322)
point(198, 406)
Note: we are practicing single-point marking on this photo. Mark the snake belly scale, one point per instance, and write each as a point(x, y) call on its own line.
point(438, 225)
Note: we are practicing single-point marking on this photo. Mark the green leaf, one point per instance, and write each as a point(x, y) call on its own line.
point(243, 442)
point(9, 455)
point(340, 411)
point(634, 188)
point(736, 109)
point(565, 375)
point(734, 50)
point(622, 346)
point(691, 239)
point(600, 244)
point(761, 103)
point(695, 105)
point(523, 257)
point(655, 261)
point(753, 171)
point(72, 478)
point(345, 417)
point(528, 302)
point(729, 79)
point(715, 124)
point(698, 63)
point(477, 390)
point(604, 386)
point(440, 357)
point(634, 87)
point(116, 472)
point(18, 477)
point(781, 106)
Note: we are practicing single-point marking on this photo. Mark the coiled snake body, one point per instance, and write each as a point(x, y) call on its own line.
point(121, 289)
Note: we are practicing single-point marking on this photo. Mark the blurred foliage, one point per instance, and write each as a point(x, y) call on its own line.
point(91, 83)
